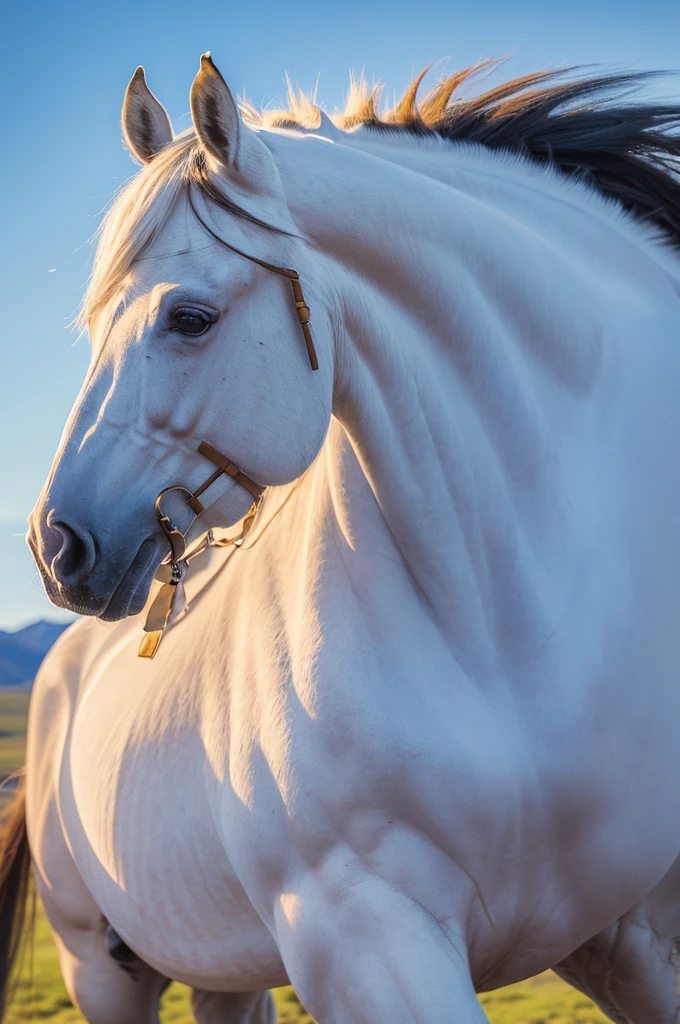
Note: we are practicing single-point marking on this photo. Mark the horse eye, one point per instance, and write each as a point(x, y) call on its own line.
point(191, 321)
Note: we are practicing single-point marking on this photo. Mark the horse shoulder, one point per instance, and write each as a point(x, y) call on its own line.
point(54, 698)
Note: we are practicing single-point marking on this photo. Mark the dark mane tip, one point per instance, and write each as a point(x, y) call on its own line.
point(585, 126)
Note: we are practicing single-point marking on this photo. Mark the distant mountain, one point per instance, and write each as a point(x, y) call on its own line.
point(21, 652)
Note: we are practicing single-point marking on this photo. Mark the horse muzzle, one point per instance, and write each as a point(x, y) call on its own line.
point(77, 578)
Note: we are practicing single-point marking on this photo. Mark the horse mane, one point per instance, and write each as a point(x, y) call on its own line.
point(582, 126)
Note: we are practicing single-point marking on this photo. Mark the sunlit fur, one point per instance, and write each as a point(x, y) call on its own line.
point(134, 220)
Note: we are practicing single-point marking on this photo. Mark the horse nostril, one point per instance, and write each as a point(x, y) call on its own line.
point(76, 555)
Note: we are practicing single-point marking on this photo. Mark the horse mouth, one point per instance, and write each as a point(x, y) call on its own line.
point(132, 592)
point(128, 597)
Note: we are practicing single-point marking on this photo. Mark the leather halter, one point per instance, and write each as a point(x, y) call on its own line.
point(174, 568)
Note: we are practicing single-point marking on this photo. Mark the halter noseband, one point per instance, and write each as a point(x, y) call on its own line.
point(178, 538)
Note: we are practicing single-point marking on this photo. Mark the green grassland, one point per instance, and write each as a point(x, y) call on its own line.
point(13, 708)
point(40, 994)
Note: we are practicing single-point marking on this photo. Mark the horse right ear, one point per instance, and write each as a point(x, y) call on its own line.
point(146, 125)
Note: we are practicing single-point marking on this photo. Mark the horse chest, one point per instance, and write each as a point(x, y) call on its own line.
point(137, 812)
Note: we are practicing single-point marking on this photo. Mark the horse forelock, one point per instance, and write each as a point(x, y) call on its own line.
point(138, 213)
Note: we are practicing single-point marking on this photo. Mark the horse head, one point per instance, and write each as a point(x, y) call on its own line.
point(196, 337)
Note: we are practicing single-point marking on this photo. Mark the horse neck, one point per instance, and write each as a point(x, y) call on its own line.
point(450, 325)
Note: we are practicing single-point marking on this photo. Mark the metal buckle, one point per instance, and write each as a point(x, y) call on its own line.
point(175, 568)
point(176, 537)
point(161, 608)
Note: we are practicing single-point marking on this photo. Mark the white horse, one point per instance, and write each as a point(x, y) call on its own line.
point(417, 738)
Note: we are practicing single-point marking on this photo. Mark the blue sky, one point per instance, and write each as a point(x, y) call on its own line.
point(63, 73)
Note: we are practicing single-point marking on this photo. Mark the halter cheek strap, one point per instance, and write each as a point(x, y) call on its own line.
point(301, 307)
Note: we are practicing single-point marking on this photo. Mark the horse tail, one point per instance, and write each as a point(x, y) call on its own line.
point(15, 874)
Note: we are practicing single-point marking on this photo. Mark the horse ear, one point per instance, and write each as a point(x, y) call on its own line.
point(146, 125)
point(216, 117)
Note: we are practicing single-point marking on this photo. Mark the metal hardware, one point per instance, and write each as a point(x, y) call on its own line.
point(172, 571)
point(176, 538)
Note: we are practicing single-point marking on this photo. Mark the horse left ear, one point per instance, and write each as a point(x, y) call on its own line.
point(146, 125)
point(217, 120)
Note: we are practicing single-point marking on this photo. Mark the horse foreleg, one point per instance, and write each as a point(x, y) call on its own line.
point(233, 1007)
point(360, 950)
point(106, 988)
point(631, 968)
